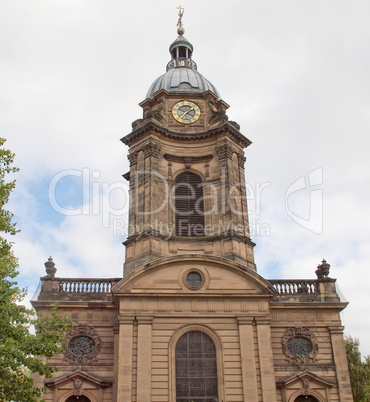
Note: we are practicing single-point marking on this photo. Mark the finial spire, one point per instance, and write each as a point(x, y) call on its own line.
point(180, 29)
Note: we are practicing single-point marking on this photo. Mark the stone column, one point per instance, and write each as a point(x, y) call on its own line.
point(268, 381)
point(144, 359)
point(249, 371)
point(124, 381)
point(340, 360)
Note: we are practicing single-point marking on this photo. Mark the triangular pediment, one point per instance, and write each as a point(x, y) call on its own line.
point(168, 276)
point(78, 375)
point(307, 375)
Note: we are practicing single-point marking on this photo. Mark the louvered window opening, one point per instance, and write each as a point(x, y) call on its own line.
point(189, 205)
point(196, 368)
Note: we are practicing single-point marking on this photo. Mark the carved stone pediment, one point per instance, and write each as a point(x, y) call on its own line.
point(78, 377)
point(306, 384)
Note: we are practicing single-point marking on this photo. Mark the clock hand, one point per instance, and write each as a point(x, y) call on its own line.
point(192, 108)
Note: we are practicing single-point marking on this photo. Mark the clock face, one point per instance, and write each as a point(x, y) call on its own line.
point(186, 112)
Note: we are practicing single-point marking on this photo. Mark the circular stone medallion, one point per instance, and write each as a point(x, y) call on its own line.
point(81, 345)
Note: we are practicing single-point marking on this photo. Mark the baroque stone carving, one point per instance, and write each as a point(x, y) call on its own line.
point(218, 113)
point(235, 124)
point(136, 123)
point(78, 386)
point(83, 345)
point(300, 346)
point(155, 113)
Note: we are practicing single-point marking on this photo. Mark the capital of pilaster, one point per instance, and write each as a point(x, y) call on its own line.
point(132, 157)
point(144, 320)
point(336, 330)
point(241, 159)
point(151, 149)
point(245, 320)
point(265, 320)
point(224, 151)
point(126, 320)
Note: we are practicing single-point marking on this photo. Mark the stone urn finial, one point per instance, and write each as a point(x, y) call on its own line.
point(323, 270)
point(50, 268)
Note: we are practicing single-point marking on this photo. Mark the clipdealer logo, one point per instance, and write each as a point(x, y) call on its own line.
point(112, 201)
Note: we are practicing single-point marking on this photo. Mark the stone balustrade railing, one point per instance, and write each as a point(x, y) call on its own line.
point(87, 285)
point(296, 287)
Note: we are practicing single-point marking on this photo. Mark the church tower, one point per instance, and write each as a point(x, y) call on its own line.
point(186, 176)
point(191, 320)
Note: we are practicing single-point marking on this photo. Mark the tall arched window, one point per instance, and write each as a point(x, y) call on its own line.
point(189, 205)
point(196, 368)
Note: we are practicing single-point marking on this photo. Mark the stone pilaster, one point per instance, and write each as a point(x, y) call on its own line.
point(340, 360)
point(124, 383)
point(268, 382)
point(144, 359)
point(248, 361)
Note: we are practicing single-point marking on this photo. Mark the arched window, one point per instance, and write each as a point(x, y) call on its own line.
point(305, 398)
point(80, 398)
point(196, 368)
point(189, 205)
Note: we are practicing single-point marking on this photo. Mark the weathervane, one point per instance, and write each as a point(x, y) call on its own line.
point(180, 29)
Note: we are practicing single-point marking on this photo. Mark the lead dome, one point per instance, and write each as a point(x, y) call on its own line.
point(182, 75)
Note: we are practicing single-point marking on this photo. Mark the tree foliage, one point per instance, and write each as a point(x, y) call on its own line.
point(20, 350)
point(359, 371)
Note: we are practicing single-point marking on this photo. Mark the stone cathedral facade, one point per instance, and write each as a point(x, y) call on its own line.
point(191, 319)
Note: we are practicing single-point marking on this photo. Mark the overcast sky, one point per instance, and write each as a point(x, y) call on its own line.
point(296, 76)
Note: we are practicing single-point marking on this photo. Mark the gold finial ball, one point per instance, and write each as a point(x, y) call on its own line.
point(180, 31)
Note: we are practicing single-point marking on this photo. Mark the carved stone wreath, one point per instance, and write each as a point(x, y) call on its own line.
point(300, 346)
point(83, 345)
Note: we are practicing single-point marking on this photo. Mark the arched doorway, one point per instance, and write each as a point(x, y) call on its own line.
point(196, 368)
point(80, 398)
point(305, 398)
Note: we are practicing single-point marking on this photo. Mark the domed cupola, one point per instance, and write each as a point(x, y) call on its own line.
point(182, 75)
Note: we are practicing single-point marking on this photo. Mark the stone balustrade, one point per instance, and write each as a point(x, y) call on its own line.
point(297, 288)
point(86, 285)
point(78, 289)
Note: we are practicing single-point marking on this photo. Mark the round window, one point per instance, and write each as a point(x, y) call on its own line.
point(299, 346)
point(194, 280)
point(81, 345)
